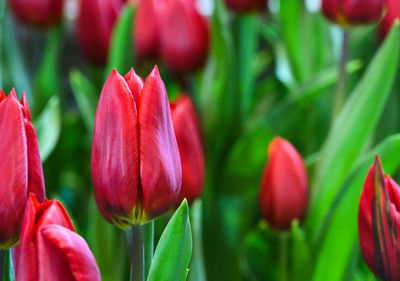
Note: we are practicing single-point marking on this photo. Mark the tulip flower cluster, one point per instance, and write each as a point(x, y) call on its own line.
point(176, 32)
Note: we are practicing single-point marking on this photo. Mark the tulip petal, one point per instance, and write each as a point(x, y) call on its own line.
point(13, 172)
point(135, 84)
point(160, 166)
point(115, 152)
point(64, 255)
point(190, 148)
point(2, 95)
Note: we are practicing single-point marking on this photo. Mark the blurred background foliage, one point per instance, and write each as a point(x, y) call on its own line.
point(267, 74)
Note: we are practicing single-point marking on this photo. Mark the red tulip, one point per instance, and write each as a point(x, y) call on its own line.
point(190, 147)
point(20, 166)
point(379, 223)
point(392, 13)
point(146, 32)
point(184, 36)
point(246, 6)
point(49, 248)
point(353, 12)
point(284, 186)
point(39, 13)
point(136, 168)
point(95, 24)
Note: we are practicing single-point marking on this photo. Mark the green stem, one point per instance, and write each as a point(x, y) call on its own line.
point(283, 257)
point(148, 246)
point(340, 93)
point(137, 253)
point(2, 263)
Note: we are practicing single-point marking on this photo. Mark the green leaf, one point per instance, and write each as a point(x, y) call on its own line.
point(8, 274)
point(352, 129)
point(121, 47)
point(301, 254)
point(174, 249)
point(48, 127)
point(343, 216)
point(86, 96)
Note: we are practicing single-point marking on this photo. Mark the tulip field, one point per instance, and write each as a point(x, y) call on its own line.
point(221, 140)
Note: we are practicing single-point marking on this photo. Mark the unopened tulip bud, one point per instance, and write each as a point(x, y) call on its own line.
point(284, 186)
point(187, 134)
point(39, 13)
point(136, 168)
point(247, 6)
point(21, 170)
point(379, 224)
point(50, 249)
point(353, 12)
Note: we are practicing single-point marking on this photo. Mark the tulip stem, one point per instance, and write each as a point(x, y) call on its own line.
point(137, 253)
point(148, 246)
point(283, 257)
point(340, 93)
point(2, 263)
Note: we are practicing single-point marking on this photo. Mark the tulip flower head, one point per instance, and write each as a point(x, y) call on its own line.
point(136, 168)
point(392, 13)
point(50, 249)
point(247, 6)
point(284, 186)
point(38, 13)
point(95, 24)
point(353, 12)
point(187, 134)
point(177, 33)
point(21, 170)
point(379, 224)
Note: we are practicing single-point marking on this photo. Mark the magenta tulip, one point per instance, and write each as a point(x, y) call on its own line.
point(136, 169)
point(50, 249)
point(392, 13)
point(20, 166)
point(186, 127)
point(39, 13)
point(284, 186)
point(379, 223)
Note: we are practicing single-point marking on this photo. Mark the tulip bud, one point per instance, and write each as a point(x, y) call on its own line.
point(246, 6)
point(49, 248)
point(20, 166)
point(379, 225)
point(187, 134)
point(39, 13)
point(392, 13)
point(184, 36)
point(353, 12)
point(284, 186)
point(136, 169)
point(95, 24)
point(146, 32)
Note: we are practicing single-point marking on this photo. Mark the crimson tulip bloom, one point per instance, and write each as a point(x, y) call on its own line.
point(190, 147)
point(39, 13)
point(246, 6)
point(49, 248)
point(379, 223)
point(20, 166)
point(284, 186)
point(136, 169)
point(184, 36)
point(392, 13)
point(146, 32)
point(353, 12)
point(95, 24)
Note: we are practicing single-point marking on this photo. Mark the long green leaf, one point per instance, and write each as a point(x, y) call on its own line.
point(174, 249)
point(352, 130)
point(86, 97)
point(121, 49)
point(48, 127)
point(343, 221)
